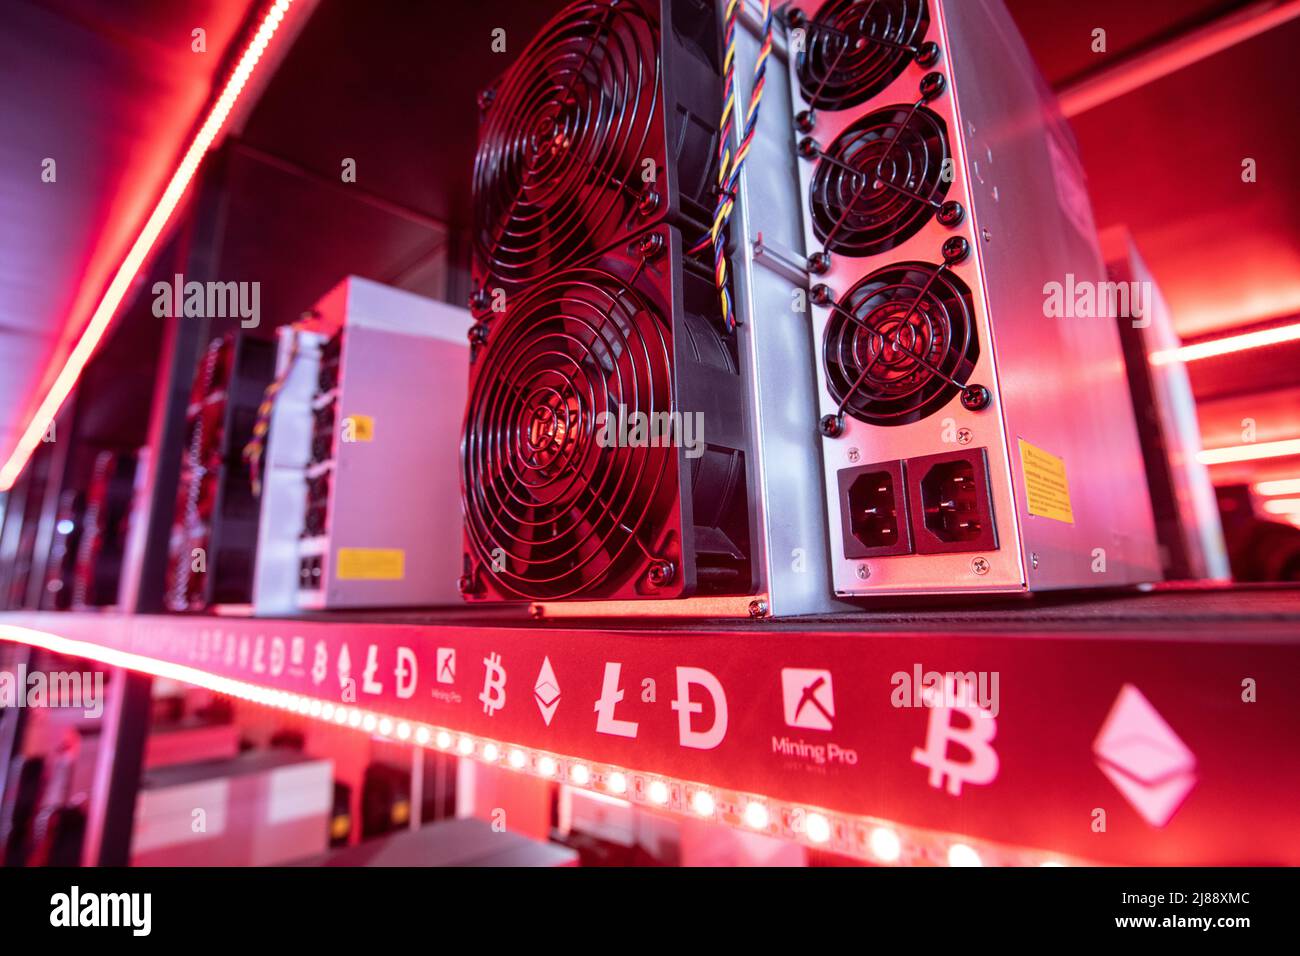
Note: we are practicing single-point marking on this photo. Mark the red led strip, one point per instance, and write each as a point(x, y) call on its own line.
point(1228, 345)
point(873, 840)
point(103, 315)
point(1250, 452)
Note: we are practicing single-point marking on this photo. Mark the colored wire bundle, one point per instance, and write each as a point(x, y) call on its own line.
point(256, 446)
point(728, 167)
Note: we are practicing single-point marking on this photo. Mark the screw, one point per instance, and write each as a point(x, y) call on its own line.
point(660, 573)
point(979, 565)
point(963, 436)
point(975, 398)
point(486, 98)
point(831, 426)
point(854, 455)
point(822, 294)
point(1033, 560)
point(536, 612)
point(928, 54)
point(808, 148)
point(955, 250)
point(863, 571)
point(951, 213)
point(796, 18)
point(986, 235)
point(478, 333)
point(805, 120)
point(650, 246)
point(819, 263)
point(933, 85)
point(648, 203)
point(479, 298)
point(757, 609)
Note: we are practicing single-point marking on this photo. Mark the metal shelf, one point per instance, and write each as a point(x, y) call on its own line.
point(728, 721)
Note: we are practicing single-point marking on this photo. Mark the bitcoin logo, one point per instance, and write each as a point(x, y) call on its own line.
point(974, 737)
point(494, 684)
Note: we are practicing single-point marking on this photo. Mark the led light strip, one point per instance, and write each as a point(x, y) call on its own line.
point(1228, 344)
point(1283, 486)
point(1253, 452)
point(867, 838)
point(143, 245)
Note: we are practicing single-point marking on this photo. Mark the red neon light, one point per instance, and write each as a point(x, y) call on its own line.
point(1228, 345)
point(1284, 486)
point(103, 315)
point(1254, 452)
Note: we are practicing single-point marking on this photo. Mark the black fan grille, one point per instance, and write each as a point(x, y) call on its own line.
point(900, 344)
point(855, 48)
point(561, 154)
point(880, 181)
point(552, 509)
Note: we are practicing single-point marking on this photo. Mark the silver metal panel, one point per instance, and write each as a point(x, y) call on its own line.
point(862, 444)
point(401, 490)
point(788, 525)
point(404, 364)
point(284, 489)
point(1175, 407)
point(1062, 380)
point(1059, 384)
point(372, 305)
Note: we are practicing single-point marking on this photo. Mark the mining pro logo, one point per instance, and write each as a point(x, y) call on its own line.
point(808, 697)
point(808, 703)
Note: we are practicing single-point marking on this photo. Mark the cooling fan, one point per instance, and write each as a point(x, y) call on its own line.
point(563, 498)
point(853, 49)
point(558, 161)
point(604, 126)
point(880, 181)
point(560, 508)
point(900, 344)
point(594, 174)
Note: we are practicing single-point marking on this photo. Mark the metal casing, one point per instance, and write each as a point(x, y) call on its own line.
point(1056, 383)
point(284, 488)
point(788, 525)
point(392, 518)
point(1188, 525)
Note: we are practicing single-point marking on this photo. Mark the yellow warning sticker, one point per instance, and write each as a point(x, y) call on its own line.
point(371, 564)
point(358, 428)
point(1047, 489)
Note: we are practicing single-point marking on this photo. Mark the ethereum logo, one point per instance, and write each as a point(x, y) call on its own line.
point(547, 691)
point(1143, 757)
